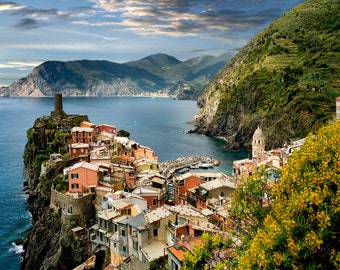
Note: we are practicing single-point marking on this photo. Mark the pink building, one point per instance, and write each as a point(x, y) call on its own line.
point(83, 177)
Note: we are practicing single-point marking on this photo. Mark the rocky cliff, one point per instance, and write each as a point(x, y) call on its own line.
point(157, 73)
point(50, 244)
point(284, 80)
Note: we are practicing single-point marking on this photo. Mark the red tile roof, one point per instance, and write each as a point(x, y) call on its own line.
point(177, 253)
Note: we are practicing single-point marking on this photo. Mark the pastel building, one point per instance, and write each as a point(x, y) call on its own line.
point(82, 135)
point(145, 152)
point(80, 150)
point(182, 184)
point(83, 177)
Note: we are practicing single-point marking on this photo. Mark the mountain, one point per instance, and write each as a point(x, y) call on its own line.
point(284, 80)
point(155, 73)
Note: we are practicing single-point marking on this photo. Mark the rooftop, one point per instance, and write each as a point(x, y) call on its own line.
point(84, 164)
point(157, 214)
point(185, 210)
point(154, 250)
point(218, 183)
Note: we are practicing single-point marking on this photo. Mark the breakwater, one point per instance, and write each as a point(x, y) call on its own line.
point(167, 168)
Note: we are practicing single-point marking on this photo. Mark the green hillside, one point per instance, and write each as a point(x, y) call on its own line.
point(285, 79)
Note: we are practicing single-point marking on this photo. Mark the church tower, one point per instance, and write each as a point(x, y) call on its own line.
point(258, 144)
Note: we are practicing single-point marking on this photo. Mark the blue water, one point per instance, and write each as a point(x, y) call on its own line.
point(158, 123)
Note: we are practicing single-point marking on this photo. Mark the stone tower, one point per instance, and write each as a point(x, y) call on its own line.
point(58, 107)
point(58, 103)
point(258, 144)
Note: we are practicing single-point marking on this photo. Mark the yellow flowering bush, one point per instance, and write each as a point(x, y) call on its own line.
point(302, 229)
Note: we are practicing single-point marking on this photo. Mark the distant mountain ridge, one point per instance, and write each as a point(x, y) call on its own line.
point(156, 73)
point(285, 80)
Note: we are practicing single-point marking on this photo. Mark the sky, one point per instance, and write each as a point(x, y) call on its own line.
point(120, 31)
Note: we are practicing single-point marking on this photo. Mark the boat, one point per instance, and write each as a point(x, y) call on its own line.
point(196, 166)
point(206, 165)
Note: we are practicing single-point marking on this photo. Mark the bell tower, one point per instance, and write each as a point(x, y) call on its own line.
point(258, 144)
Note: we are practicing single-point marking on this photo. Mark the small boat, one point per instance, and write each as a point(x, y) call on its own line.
point(196, 166)
point(206, 165)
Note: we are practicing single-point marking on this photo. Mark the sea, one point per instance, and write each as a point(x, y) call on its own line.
point(159, 123)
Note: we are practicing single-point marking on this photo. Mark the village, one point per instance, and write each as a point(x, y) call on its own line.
point(146, 210)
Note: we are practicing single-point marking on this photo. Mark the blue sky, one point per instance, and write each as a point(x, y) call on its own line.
point(36, 31)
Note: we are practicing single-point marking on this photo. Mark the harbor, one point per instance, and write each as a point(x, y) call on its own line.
point(183, 164)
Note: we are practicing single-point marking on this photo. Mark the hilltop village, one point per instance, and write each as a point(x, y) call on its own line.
point(136, 211)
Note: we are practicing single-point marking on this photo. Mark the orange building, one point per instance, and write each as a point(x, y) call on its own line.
point(145, 152)
point(82, 135)
point(182, 184)
point(83, 177)
point(87, 124)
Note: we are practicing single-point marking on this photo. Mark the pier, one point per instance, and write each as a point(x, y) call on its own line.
point(167, 168)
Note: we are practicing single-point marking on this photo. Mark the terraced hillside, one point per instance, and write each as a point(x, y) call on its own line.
point(285, 80)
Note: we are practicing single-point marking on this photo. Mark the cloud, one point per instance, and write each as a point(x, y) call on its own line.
point(9, 6)
point(21, 65)
point(211, 19)
point(30, 18)
point(27, 23)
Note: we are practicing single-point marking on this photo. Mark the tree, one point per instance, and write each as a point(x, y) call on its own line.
point(251, 203)
point(302, 231)
point(206, 253)
point(123, 133)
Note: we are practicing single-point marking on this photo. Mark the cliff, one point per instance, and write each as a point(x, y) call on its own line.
point(284, 80)
point(50, 244)
point(155, 73)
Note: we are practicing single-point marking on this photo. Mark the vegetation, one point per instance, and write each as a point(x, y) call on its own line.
point(202, 255)
point(252, 202)
point(302, 231)
point(123, 133)
point(291, 223)
point(285, 79)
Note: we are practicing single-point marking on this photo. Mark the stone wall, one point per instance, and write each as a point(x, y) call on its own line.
point(78, 209)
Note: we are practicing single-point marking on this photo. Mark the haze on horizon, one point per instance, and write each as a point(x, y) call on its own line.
point(120, 31)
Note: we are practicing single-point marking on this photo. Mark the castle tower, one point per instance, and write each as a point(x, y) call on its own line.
point(258, 144)
point(58, 107)
point(58, 103)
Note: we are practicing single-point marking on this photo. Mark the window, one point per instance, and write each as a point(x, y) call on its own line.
point(74, 176)
point(135, 245)
point(124, 248)
point(123, 232)
point(154, 202)
point(75, 185)
point(155, 232)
